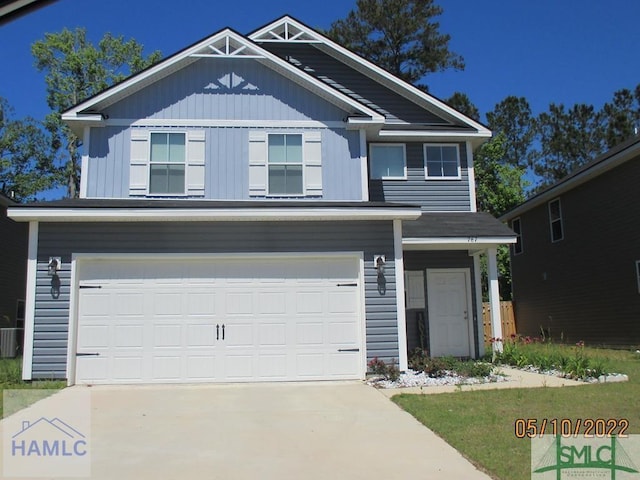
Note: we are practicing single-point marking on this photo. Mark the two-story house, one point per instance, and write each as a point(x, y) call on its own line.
point(576, 264)
point(259, 208)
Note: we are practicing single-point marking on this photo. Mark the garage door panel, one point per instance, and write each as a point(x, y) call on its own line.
point(155, 320)
point(128, 336)
point(167, 335)
point(310, 333)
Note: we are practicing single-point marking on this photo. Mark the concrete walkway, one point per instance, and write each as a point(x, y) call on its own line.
point(308, 431)
point(515, 379)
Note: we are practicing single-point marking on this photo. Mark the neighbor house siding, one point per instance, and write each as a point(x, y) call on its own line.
point(52, 314)
point(431, 195)
point(422, 260)
point(583, 287)
point(241, 89)
point(227, 162)
point(13, 266)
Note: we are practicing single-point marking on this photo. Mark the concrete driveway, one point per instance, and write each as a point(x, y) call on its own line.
point(307, 431)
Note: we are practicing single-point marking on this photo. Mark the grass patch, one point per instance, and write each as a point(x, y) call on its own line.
point(480, 424)
point(11, 379)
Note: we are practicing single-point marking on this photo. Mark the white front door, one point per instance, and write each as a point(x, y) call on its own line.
point(219, 319)
point(449, 310)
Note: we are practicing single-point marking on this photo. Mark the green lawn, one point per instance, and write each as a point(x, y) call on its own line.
point(11, 379)
point(480, 424)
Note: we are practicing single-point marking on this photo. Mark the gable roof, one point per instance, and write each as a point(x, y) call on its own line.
point(224, 44)
point(619, 154)
point(361, 112)
point(289, 30)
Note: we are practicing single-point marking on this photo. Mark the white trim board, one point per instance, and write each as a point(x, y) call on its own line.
point(207, 215)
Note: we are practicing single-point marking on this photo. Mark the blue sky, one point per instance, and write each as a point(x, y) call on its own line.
point(563, 51)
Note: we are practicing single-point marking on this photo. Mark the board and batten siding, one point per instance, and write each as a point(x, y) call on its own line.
point(65, 239)
point(226, 162)
point(432, 195)
point(230, 89)
point(422, 260)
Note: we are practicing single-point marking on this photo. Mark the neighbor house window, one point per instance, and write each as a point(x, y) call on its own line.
point(285, 164)
point(517, 228)
point(441, 161)
point(555, 220)
point(167, 165)
point(388, 161)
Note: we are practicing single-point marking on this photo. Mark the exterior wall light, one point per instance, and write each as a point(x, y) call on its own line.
point(54, 265)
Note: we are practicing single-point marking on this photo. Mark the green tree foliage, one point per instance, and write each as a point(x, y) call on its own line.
point(462, 103)
point(500, 186)
point(26, 157)
point(621, 116)
point(76, 69)
point(568, 138)
point(400, 36)
point(513, 118)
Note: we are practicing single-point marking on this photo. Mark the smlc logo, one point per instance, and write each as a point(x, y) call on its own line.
point(581, 457)
point(48, 438)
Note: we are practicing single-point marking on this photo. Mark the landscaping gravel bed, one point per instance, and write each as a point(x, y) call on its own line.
point(412, 378)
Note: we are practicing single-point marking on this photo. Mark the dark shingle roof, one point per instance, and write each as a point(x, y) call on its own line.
point(455, 224)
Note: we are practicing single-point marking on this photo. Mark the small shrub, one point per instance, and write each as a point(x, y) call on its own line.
point(389, 372)
point(473, 369)
point(418, 359)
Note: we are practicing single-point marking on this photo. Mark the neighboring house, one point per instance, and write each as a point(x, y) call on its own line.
point(13, 267)
point(576, 264)
point(254, 209)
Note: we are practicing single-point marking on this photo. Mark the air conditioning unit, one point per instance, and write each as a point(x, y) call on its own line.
point(8, 342)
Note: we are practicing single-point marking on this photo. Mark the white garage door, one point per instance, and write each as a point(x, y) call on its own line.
point(227, 320)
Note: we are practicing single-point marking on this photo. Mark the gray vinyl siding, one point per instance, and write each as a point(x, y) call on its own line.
point(52, 315)
point(431, 195)
point(395, 107)
point(422, 260)
point(13, 266)
point(583, 287)
point(227, 163)
point(197, 92)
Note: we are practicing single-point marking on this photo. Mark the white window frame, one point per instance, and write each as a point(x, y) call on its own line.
point(638, 273)
point(184, 164)
point(518, 236)
point(404, 156)
point(302, 165)
point(441, 177)
point(552, 221)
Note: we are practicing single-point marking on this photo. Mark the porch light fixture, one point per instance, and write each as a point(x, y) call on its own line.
point(54, 265)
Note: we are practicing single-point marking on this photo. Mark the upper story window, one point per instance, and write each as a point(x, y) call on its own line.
point(516, 226)
point(555, 220)
point(441, 161)
point(388, 161)
point(167, 164)
point(285, 164)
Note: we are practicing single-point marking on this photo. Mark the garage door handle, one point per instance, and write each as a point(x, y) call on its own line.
point(87, 354)
point(347, 285)
point(223, 331)
point(217, 332)
point(348, 349)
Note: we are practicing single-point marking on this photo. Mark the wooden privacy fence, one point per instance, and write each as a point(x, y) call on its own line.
point(508, 320)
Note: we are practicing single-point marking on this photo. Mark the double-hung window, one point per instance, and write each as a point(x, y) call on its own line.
point(441, 161)
point(167, 164)
point(388, 161)
point(285, 164)
point(555, 220)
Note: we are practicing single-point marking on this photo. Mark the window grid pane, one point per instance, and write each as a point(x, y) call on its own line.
point(285, 180)
point(442, 160)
